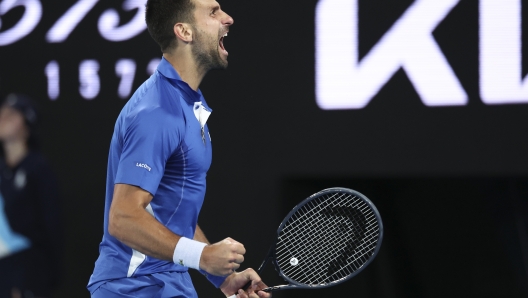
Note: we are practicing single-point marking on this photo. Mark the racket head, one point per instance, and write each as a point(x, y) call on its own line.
point(327, 239)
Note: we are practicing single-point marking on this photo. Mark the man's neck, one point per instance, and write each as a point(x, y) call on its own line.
point(185, 65)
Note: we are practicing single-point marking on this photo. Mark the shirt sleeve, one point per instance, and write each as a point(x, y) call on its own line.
point(149, 139)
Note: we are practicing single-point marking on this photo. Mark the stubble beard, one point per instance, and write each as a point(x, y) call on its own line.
point(205, 51)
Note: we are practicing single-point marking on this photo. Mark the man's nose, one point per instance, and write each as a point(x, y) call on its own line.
point(228, 20)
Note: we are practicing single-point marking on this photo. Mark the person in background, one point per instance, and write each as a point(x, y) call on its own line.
point(30, 225)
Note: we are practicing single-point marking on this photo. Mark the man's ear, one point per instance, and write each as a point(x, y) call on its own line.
point(183, 32)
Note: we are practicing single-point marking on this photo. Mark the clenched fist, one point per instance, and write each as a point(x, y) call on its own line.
point(222, 258)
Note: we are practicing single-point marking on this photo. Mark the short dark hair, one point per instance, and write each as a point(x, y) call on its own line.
point(162, 15)
point(28, 108)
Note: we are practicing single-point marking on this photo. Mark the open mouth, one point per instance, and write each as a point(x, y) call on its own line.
point(221, 43)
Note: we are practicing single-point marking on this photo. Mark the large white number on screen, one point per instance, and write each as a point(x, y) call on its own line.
point(153, 65)
point(65, 25)
point(109, 22)
point(501, 79)
point(126, 70)
point(52, 73)
point(90, 83)
point(30, 19)
point(344, 82)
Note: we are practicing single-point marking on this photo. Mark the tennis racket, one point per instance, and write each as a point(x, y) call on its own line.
point(325, 240)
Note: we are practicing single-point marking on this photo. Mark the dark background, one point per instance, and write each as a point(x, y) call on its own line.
point(450, 182)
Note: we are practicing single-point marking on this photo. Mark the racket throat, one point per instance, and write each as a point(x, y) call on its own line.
point(271, 254)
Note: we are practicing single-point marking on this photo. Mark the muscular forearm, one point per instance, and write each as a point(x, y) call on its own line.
point(134, 226)
point(131, 224)
point(200, 236)
point(142, 232)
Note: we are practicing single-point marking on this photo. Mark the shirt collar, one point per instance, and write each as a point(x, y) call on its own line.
point(166, 70)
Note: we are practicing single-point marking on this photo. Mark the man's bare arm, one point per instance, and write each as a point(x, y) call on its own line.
point(131, 224)
point(200, 236)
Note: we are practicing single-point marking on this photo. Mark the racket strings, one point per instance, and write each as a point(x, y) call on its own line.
point(336, 252)
point(304, 235)
point(364, 251)
point(358, 234)
point(304, 229)
point(312, 277)
point(317, 246)
point(306, 213)
point(304, 232)
point(330, 237)
point(307, 232)
point(316, 262)
point(315, 242)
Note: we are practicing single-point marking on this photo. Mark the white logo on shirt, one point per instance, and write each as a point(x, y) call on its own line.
point(143, 165)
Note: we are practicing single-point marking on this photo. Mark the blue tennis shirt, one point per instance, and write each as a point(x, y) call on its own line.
point(162, 145)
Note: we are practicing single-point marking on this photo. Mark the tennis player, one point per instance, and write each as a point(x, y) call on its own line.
point(159, 156)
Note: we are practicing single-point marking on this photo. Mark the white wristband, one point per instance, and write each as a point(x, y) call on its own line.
point(188, 252)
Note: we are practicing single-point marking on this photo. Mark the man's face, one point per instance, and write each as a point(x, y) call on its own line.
point(210, 27)
point(12, 125)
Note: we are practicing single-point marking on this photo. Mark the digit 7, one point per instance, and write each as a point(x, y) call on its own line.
point(65, 25)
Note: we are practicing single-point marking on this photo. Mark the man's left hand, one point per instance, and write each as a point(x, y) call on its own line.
point(234, 283)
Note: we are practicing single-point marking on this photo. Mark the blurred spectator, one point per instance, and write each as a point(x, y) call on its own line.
point(30, 229)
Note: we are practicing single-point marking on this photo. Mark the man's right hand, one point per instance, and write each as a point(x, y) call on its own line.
point(222, 258)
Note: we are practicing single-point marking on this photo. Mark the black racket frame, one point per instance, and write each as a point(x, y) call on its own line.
point(292, 283)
